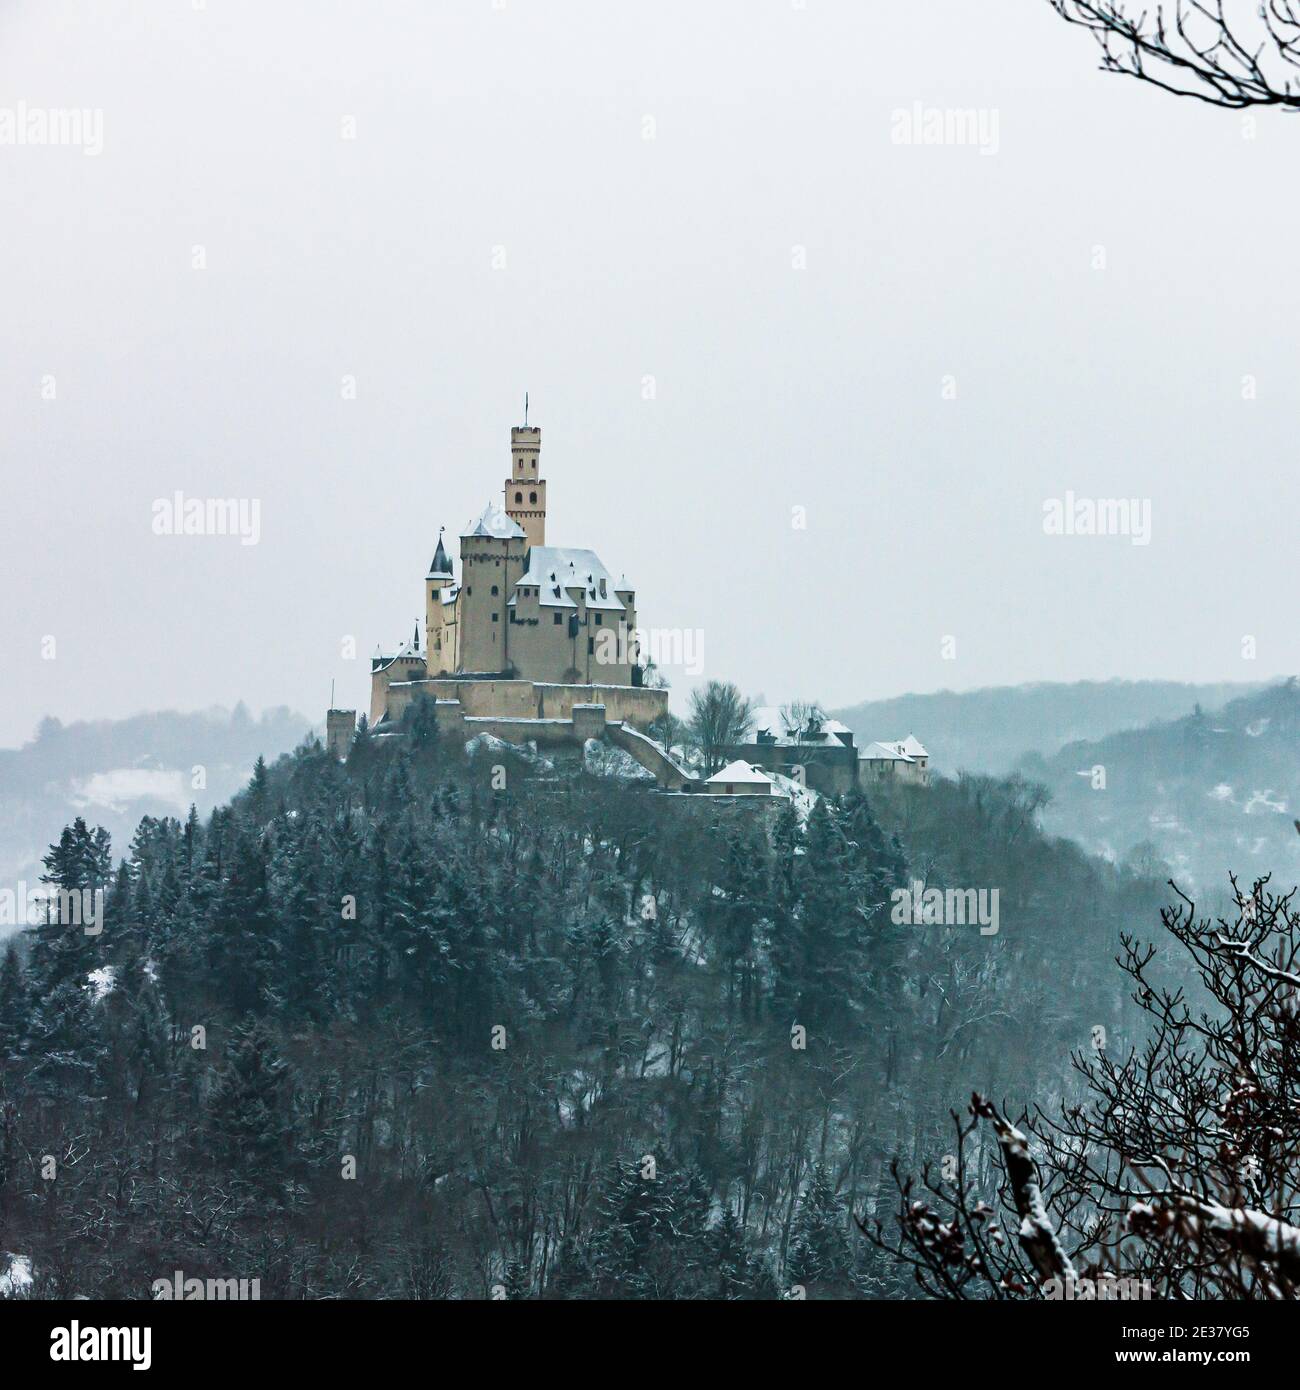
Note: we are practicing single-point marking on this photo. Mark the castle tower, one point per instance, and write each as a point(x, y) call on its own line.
point(525, 489)
point(439, 635)
point(340, 728)
point(492, 551)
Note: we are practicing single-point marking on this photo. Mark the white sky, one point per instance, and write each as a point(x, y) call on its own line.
point(521, 126)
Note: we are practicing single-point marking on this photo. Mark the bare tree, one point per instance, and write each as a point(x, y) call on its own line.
point(1179, 1172)
point(652, 677)
point(800, 717)
point(1233, 53)
point(668, 730)
point(720, 716)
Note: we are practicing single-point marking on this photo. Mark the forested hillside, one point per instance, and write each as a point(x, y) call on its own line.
point(1215, 791)
point(430, 1026)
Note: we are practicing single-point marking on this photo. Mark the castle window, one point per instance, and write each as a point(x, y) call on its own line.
point(496, 617)
point(591, 645)
point(532, 497)
point(559, 618)
point(495, 591)
point(519, 497)
point(598, 620)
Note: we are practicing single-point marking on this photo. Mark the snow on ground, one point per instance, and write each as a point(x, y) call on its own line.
point(101, 982)
point(15, 1275)
point(601, 760)
point(804, 798)
point(114, 790)
point(495, 747)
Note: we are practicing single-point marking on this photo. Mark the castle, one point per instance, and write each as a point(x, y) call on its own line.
point(523, 607)
point(533, 642)
point(538, 644)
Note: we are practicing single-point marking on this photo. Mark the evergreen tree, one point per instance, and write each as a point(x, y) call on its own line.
point(242, 944)
point(62, 944)
point(259, 790)
point(830, 960)
point(248, 1124)
point(820, 1257)
point(740, 1275)
point(13, 1004)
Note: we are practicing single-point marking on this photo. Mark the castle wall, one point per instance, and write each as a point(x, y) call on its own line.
point(634, 705)
point(400, 669)
point(542, 649)
point(653, 757)
point(827, 769)
point(511, 699)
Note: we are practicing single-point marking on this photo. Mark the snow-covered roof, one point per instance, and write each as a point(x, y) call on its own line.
point(912, 747)
point(406, 652)
point(494, 522)
point(734, 774)
point(769, 720)
point(554, 569)
point(885, 752)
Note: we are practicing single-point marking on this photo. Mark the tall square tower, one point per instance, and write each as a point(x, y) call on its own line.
point(525, 488)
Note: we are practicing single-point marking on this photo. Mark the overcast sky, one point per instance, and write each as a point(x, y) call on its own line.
point(798, 284)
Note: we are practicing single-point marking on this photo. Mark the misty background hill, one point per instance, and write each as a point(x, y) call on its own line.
point(992, 729)
point(1213, 791)
point(113, 772)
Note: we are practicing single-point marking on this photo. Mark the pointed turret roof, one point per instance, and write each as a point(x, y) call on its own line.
point(440, 565)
